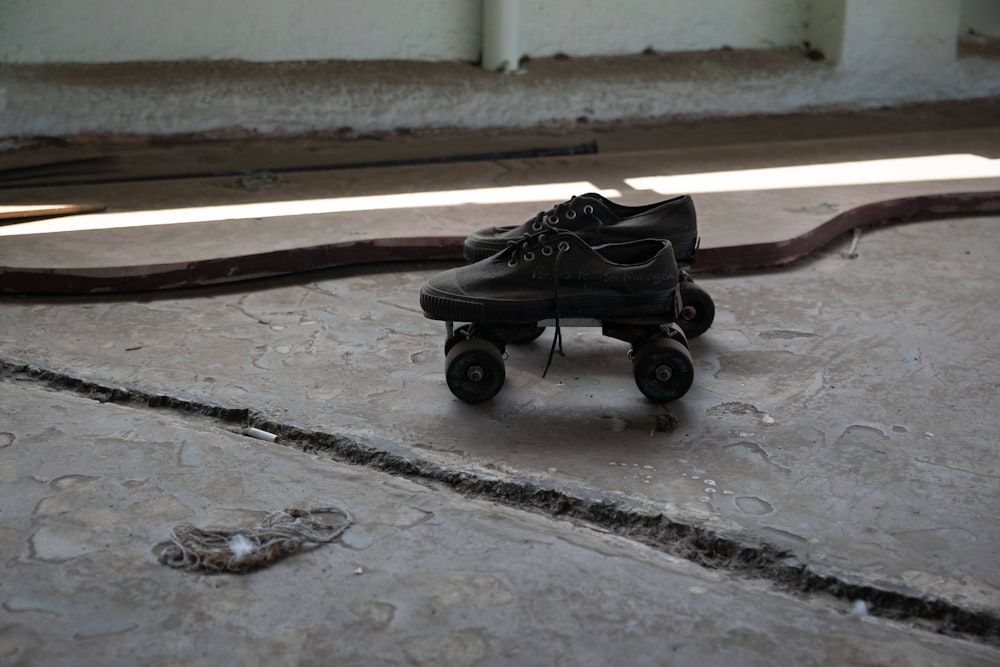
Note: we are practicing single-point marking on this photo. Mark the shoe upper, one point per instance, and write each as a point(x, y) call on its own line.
point(544, 274)
point(599, 221)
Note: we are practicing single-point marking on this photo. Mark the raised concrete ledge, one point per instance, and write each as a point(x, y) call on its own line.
point(352, 98)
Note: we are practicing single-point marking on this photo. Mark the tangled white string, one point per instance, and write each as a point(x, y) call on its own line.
point(239, 551)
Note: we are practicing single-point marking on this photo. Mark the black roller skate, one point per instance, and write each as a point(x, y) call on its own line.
point(556, 278)
point(598, 221)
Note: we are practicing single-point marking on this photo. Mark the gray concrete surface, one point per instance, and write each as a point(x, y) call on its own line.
point(840, 444)
point(840, 441)
point(423, 577)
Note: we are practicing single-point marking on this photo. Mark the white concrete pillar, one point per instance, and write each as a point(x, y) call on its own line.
point(880, 35)
point(501, 43)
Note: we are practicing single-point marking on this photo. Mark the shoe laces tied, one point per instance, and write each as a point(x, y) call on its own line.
point(524, 247)
point(561, 249)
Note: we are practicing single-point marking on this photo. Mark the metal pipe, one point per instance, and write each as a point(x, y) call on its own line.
point(500, 35)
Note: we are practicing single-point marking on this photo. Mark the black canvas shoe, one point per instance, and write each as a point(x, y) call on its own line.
point(554, 274)
point(599, 221)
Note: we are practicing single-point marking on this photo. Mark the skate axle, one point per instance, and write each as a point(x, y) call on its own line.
point(662, 364)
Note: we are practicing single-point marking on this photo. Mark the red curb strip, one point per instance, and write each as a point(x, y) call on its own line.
point(147, 278)
point(890, 211)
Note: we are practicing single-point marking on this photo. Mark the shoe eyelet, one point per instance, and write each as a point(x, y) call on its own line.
point(588, 209)
point(563, 246)
point(554, 220)
point(512, 262)
point(529, 256)
point(570, 214)
point(547, 250)
point(537, 227)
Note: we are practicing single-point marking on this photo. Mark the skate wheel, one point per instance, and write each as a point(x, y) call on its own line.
point(697, 310)
point(663, 369)
point(474, 369)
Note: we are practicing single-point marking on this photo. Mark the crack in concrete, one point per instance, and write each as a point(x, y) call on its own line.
point(736, 553)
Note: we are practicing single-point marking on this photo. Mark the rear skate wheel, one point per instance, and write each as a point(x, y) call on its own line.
point(475, 370)
point(697, 310)
point(663, 369)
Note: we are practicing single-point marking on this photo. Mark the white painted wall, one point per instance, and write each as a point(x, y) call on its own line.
point(587, 27)
point(104, 31)
point(95, 31)
point(99, 31)
point(903, 35)
point(980, 17)
point(879, 52)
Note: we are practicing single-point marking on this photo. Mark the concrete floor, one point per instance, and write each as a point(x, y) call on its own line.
point(828, 495)
point(423, 577)
point(851, 429)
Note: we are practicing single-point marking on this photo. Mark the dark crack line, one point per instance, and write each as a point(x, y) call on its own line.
point(735, 553)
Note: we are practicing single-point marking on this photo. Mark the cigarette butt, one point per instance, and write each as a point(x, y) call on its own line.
point(261, 434)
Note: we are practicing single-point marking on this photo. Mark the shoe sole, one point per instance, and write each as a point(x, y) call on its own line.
point(440, 306)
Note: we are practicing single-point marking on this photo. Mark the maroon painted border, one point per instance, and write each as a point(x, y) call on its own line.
point(127, 279)
point(906, 209)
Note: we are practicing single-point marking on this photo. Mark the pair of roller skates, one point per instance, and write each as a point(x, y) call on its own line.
point(586, 262)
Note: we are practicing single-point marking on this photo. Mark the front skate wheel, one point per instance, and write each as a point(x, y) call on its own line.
point(474, 369)
point(697, 310)
point(663, 369)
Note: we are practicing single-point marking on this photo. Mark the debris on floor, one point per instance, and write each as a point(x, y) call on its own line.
point(852, 253)
point(260, 434)
point(280, 534)
point(664, 422)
